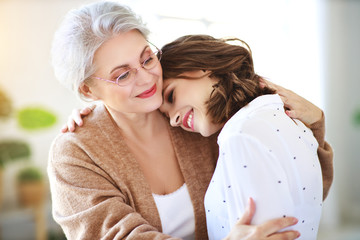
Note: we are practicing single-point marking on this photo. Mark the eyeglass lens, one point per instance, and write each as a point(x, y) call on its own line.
point(127, 75)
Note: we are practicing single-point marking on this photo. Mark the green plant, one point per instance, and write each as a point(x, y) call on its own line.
point(34, 118)
point(30, 174)
point(29, 118)
point(12, 150)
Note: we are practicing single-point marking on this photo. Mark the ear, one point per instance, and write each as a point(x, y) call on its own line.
point(86, 91)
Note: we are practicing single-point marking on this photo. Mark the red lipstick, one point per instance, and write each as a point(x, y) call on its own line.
point(186, 122)
point(148, 93)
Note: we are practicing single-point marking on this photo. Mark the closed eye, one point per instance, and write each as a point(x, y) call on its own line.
point(170, 96)
point(148, 61)
point(123, 76)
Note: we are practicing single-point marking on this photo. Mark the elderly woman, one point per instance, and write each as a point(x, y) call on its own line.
point(126, 174)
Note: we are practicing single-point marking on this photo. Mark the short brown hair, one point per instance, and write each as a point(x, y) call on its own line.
point(231, 64)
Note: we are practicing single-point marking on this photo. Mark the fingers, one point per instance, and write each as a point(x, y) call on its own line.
point(64, 128)
point(73, 119)
point(262, 83)
point(291, 113)
point(85, 111)
point(71, 124)
point(275, 225)
point(249, 213)
point(291, 105)
point(76, 118)
point(287, 235)
point(268, 230)
point(284, 92)
point(300, 108)
point(272, 85)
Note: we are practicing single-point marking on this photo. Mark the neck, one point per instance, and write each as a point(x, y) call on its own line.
point(138, 125)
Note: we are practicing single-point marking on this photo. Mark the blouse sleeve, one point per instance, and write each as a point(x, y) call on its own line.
point(86, 201)
point(325, 153)
point(250, 170)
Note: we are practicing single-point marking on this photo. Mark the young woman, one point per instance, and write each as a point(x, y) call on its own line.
point(210, 85)
point(115, 177)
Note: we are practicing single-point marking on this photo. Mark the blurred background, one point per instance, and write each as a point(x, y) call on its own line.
point(309, 46)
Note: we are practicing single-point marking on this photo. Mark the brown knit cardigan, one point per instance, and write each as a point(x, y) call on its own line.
point(99, 191)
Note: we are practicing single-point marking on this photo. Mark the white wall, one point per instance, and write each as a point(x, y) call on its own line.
point(342, 100)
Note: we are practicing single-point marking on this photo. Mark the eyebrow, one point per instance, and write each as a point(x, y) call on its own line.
point(126, 65)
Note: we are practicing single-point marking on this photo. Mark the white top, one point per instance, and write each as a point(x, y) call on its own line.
point(265, 155)
point(176, 213)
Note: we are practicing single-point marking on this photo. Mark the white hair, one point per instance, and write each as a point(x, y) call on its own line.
point(82, 32)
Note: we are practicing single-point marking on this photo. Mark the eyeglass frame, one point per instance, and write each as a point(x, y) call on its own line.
point(157, 54)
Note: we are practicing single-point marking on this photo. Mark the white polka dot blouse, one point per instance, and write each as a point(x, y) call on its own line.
point(265, 155)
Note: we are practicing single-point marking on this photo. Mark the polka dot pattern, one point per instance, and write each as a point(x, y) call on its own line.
point(267, 156)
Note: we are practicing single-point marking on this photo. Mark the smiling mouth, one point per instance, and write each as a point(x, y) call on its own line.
point(148, 93)
point(188, 120)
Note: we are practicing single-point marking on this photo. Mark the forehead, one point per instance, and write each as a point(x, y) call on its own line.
point(120, 49)
point(197, 75)
point(168, 81)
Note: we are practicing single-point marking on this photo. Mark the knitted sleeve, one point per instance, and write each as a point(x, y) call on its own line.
point(325, 154)
point(86, 201)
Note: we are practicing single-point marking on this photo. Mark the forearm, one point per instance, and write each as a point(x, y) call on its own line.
point(326, 161)
point(325, 154)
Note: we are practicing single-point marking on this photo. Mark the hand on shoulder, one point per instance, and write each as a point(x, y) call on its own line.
point(76, 118)
point(296, 106)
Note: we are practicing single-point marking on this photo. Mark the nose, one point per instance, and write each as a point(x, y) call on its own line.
point(175, 120)
point(142, 76)
point(170, 112)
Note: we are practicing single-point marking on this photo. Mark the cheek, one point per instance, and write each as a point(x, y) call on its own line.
point(117, 94)
point(206, 126)
point(158, 72)
point(162, 109)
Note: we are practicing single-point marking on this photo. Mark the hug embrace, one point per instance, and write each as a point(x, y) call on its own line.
point(137, 168)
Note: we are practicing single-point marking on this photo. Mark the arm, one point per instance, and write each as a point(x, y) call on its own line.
point(87, 203)
point(312, 116)
point(325, 154)
point(254, 181)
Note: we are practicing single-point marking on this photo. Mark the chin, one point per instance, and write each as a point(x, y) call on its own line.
point(209, 132)
point(206, 134)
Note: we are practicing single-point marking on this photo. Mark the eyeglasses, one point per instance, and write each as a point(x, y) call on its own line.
point(126, 75)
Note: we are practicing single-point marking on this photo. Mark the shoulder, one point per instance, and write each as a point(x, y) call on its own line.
point(97, 132)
